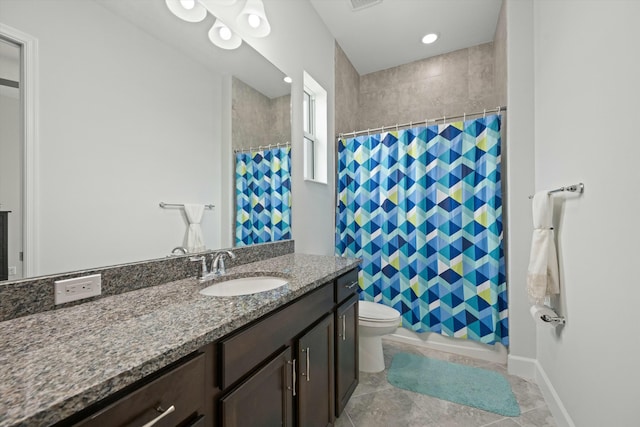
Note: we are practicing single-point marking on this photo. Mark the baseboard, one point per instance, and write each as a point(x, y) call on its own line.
point(559, 412)
point(496, 353)
point(524, 367)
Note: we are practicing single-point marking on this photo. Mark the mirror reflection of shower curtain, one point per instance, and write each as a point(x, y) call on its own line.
point(11, 157)
point(263, 196)
point(422, 207)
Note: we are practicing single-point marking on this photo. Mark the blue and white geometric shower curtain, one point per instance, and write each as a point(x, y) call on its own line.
point(423, 208)
point(263, 196)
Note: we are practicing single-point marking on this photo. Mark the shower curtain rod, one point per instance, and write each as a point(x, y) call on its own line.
point(262, 147)
point(426, 122)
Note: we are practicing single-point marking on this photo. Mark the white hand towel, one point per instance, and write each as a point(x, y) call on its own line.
point(542, 274)
point(195, 239)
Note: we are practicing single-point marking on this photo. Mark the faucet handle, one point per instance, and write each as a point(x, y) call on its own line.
point(203, 268)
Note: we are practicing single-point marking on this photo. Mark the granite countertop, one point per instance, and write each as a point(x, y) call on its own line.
point(56, 363)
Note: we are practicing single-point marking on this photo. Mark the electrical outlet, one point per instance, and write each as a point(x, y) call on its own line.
point(77, 288)
point(12, 271)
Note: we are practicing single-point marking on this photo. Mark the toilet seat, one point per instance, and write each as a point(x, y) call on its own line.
point(374, 312)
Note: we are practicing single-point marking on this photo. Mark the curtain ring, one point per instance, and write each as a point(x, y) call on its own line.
point(498, 110)
point(444, 120)
point(396, 127)
point(484, 113)
point(368, 134)
point(464, 117)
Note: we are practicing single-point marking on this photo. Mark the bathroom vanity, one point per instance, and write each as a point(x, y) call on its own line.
point(283, 357)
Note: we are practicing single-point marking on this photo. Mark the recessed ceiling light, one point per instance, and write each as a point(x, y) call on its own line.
point(429, 38)
point(288, 79)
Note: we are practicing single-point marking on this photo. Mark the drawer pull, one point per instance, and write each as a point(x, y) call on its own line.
point(344, 327)
point(164, 413)
point(308, 376)
point(351, 285)
point(293, 370)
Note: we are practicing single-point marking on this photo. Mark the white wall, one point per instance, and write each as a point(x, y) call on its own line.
point(125, 122)
point(306, 44)
point(519, 153)
point(587, 89)
point(299, 41)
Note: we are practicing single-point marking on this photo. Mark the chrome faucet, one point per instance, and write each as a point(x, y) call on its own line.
point(178, 249)
point(204, 273)
point(217, 267)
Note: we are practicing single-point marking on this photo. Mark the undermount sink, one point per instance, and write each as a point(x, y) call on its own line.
point(243, 286)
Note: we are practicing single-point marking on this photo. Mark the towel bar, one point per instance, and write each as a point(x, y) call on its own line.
point(560, 320)
point(575, 188)
point(180, 205)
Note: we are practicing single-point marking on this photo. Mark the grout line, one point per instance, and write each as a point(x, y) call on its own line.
point(390, 386)
point(349, 418)
point(494, 422)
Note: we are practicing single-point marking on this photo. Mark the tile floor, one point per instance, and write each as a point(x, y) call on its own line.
point(376, 403)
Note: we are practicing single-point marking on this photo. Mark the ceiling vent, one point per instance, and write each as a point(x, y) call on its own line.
point(361, 4)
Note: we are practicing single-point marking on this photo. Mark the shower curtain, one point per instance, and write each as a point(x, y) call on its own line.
point(263, 196)
point(422, 207)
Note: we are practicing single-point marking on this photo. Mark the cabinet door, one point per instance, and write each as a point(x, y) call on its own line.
point(316, 375)
point(346, 352)
point(264, 399)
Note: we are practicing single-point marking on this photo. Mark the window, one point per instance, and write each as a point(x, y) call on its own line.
point(309, 135)
point(314, 107)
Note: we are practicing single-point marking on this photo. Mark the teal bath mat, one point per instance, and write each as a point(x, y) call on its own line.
point(480, 388)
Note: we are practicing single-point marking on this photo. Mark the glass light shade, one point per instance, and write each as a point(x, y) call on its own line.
point(217, 35)
point(188, 4)
point(225, 33)
point(253, 20)
point(196, 14)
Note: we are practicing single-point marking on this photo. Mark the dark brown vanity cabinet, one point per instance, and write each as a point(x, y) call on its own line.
point(174, 398)
point(4, 245)
point(316, 375)
point(265, 399)
point(346, 339)
point(296, 366)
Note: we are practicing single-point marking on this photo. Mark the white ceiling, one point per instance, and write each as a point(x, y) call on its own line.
point(389, 33)
point(377, 37)
point(245, 63)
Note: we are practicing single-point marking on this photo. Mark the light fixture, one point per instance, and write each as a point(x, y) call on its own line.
point(430, 38)
point(223, 37)
point(253, 20)
point(287, 79)
point(187, 10)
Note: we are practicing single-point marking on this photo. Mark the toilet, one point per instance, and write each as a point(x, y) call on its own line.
point(374, 321)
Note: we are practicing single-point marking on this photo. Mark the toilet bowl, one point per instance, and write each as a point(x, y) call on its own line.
point(374, 321)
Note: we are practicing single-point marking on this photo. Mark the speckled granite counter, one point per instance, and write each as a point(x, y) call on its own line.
point(55, 363)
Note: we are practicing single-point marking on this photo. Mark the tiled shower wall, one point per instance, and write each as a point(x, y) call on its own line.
point(454, 83)
point(256, 119)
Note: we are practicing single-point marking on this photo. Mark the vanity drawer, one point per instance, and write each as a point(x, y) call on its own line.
point(245, 350)
point(182, 387)
point(346, 285)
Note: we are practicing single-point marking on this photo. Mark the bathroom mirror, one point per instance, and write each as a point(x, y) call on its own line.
point(133, 110)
